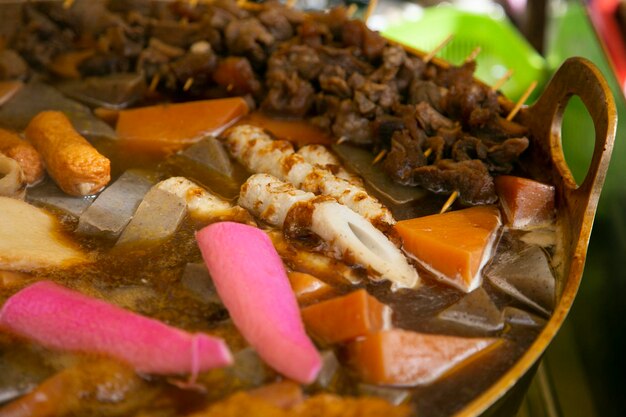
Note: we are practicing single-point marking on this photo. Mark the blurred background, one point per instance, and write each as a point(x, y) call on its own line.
point(583, 370)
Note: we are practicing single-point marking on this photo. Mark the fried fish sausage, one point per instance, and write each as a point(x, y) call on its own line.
point(74, 164)
point(24, 153)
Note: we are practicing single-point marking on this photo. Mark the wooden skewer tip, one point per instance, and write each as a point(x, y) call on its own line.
point(438, 48)
point(521, 101)
point(472, 56)
point(188, 84)
point(342, 139)
point(154, 82)
point(449, 202)
point(371, 6)
point(352, 9)
point(500, 82)
point(379, 157)
point(427, 152)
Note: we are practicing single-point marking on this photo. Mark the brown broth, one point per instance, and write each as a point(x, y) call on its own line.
point(148, 282)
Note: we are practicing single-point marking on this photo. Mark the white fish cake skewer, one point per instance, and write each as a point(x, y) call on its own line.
point(256, 150)
point(321, 156)
point(347, 234)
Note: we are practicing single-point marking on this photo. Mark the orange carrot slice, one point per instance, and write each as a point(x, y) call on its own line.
point(344, 318)
point(403, 358)
point(308, 288)
point(170, 127)
point(455, 245)
point(526, 203)
point(298, 131)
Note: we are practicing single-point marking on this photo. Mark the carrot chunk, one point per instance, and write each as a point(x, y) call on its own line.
point(307, 288)
point(401, 357)
point(298, 131)
point(526, 203)
point(170, 127)
point(344, 318)
point(455, 245)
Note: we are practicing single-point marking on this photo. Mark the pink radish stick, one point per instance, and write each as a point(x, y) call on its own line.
point(59, 318)
point(251, 281)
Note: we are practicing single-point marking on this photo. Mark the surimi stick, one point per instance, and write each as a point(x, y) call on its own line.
point(74, 164)
point(251, 280)
point(23, 152)
point(59, 318)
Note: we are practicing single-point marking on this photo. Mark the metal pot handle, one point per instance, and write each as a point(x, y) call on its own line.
point(577, 76)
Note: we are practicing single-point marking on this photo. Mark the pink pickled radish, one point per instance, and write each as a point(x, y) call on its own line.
point(251, 281)
point(59, 318)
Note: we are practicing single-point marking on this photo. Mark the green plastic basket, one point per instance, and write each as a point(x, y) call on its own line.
point(502, 46)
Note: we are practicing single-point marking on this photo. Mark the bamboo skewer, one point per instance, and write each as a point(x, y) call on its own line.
point(352, 9)
point(437, 48)
point(341, 140)
point(521, 101)
point(427, 152)
point(472, 56)
point(371, 6)
point(154, 82)
point(449, 202)
point(500, 82)
point(188, 84)
point(380, 156)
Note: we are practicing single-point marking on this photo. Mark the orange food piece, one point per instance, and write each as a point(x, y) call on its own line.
point(344, 318)
point(170, 127)
point(453, 245)
point(72, 162)
point(308, 288)
point(297, 131)
point(66, 64)
point(401, 357)
point(526, 203)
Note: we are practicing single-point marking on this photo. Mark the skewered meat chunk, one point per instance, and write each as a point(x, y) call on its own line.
point(347, 235)
point(260, 153)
